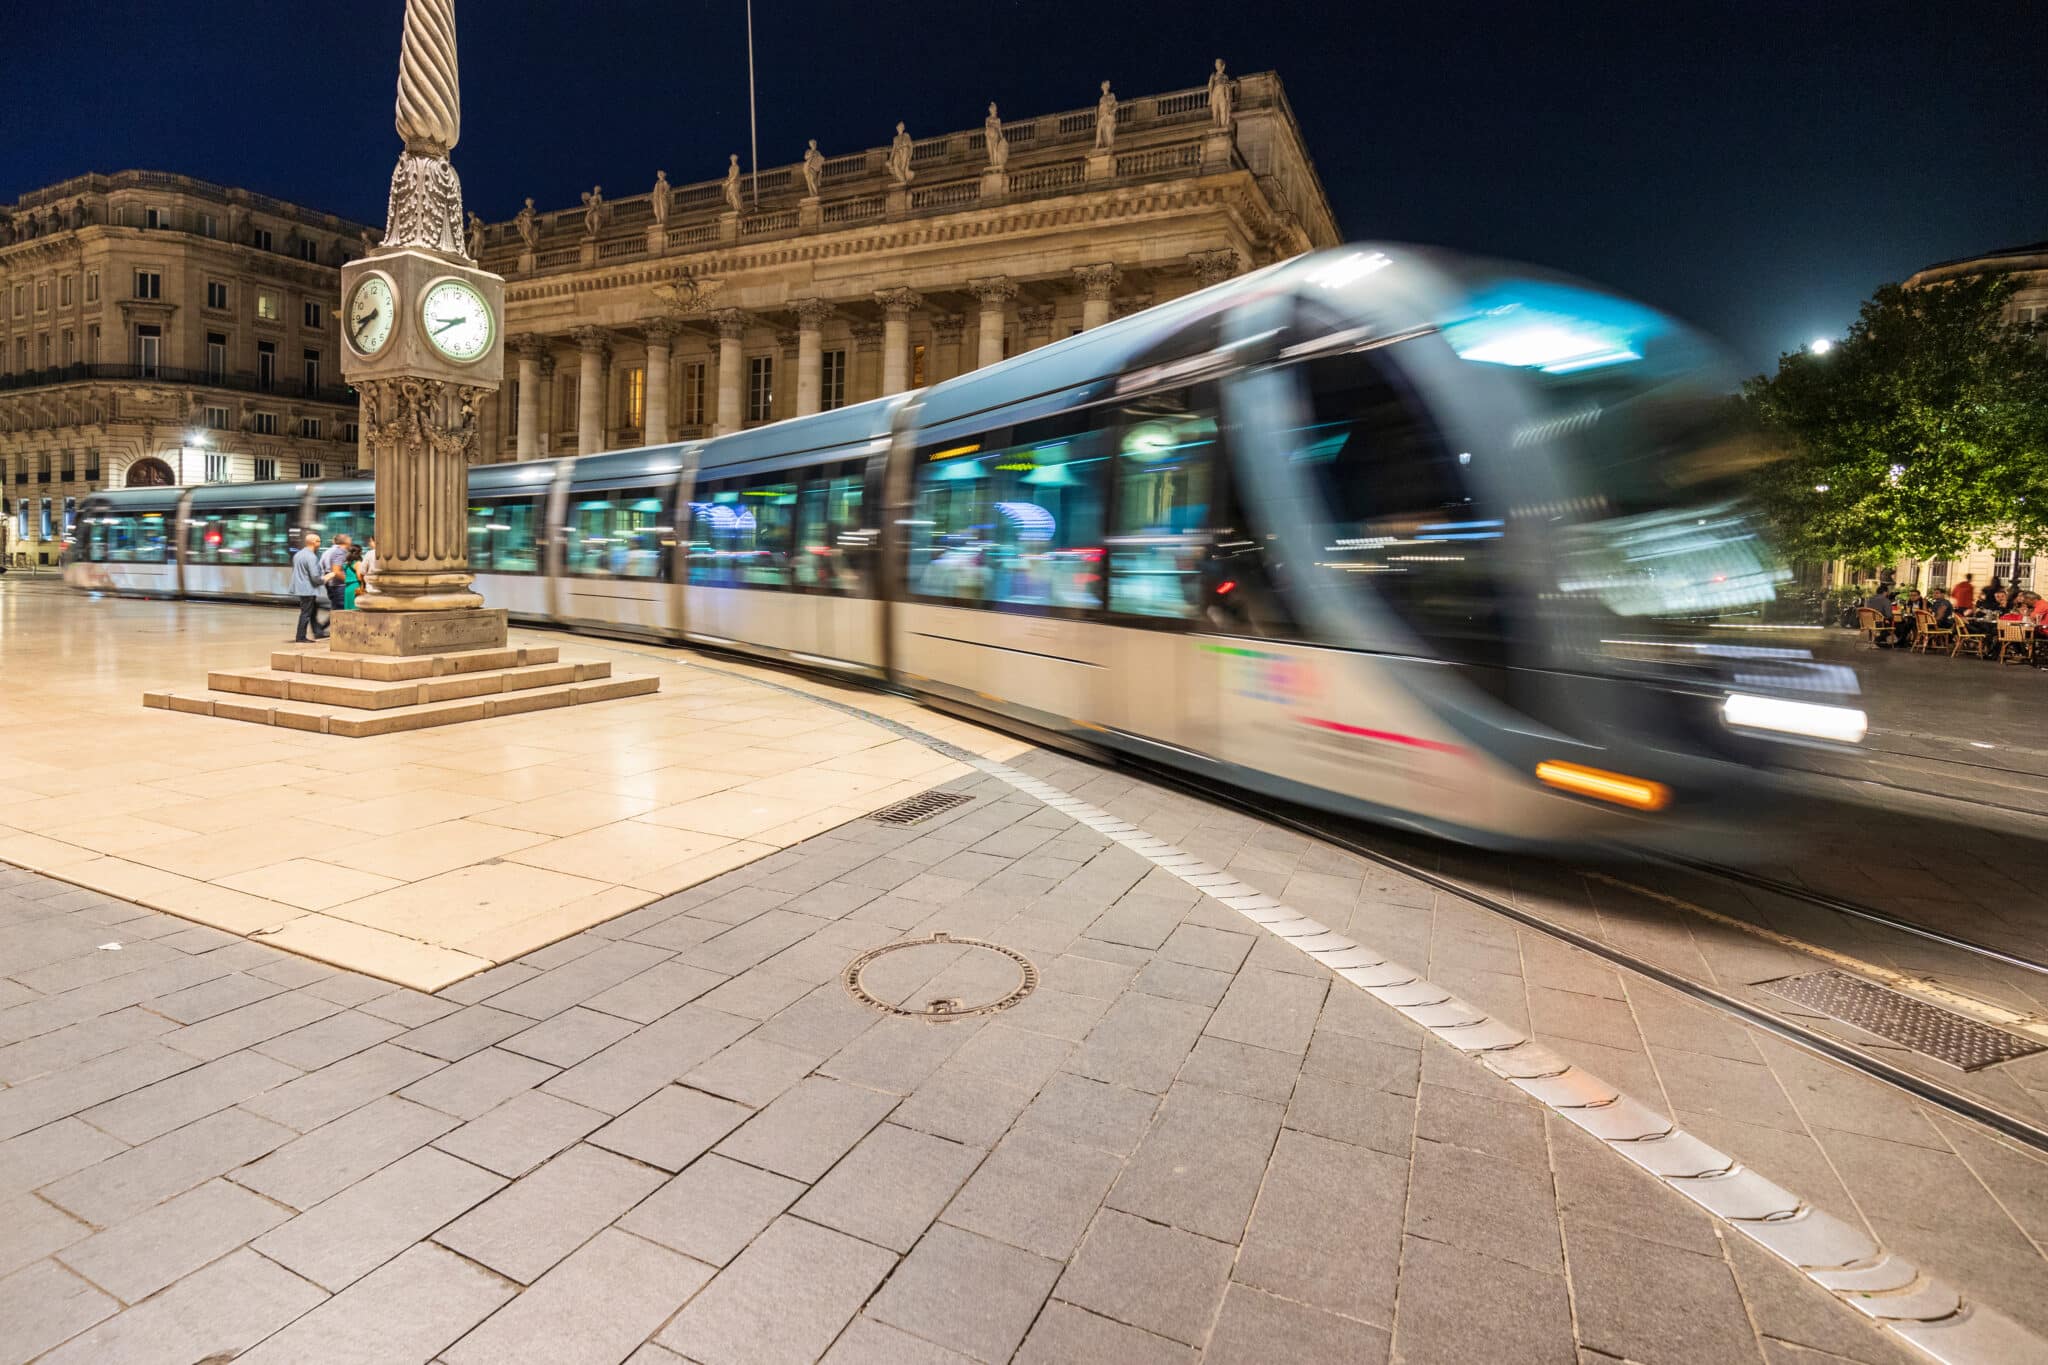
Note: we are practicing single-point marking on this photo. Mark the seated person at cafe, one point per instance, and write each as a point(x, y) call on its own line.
point(1943, 609)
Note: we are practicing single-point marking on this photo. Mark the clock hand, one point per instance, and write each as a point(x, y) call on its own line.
point(366, 320)
point(452, 322)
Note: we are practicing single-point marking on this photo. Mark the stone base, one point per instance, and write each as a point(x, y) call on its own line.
point(390, 633)
point(995, 186)
point(1218, 151)
point(1101, 166)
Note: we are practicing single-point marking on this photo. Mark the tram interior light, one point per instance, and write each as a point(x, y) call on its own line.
point(1844, 724)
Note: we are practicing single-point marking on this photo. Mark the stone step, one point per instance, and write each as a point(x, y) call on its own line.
point(370, 694)
point(320, 659)
point(356, 722)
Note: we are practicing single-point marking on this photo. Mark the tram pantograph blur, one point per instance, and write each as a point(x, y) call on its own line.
point(1423, 539)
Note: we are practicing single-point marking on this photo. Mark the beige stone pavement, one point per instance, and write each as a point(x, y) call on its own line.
point(423, 857)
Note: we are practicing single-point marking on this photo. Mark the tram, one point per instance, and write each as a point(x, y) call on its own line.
point(1428, 540)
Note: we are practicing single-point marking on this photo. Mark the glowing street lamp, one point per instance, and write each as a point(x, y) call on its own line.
point(1820, 346)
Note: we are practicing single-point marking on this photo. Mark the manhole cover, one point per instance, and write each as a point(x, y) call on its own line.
point(1927, 1029)
point(917, 809)
point(940, 977)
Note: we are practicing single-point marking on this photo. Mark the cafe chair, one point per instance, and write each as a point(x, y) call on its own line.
point(1967, 641)
point(2015, 642)
point(1927, 635)
point(1867, 623)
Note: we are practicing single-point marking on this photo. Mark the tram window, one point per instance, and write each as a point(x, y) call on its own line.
point(619, 533)
point(1396, 509)
point(127, 539)
point(357, 521)
point(504, 536)
point(831, 552)
point(1166, 450)
point(252, 538)
point(1015, 518)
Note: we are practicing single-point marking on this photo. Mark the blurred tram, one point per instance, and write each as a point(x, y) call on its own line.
point(1412, 537)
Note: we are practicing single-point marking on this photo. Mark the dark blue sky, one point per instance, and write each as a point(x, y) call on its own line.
point(1755, 167)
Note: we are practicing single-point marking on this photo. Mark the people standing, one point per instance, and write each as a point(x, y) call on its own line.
point(351, 577)
point(369, 559)
point(306, 578)
point(330, 568)
point(1965, 594)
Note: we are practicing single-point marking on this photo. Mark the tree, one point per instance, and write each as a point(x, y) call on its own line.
point(1922, 433)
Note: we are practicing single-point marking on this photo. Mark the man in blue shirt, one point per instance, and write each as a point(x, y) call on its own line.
point(306, 576)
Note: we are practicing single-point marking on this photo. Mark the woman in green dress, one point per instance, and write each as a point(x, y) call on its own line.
point(351, 578)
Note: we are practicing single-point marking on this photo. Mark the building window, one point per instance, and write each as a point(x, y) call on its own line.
point(21, 354)
point(309, 250)
point(312, 312)
point(832, 380)
point(92, 344)
point(260, 238)
point(92, 286)
point(48, 530)
point(43, 296)
point(92, 463)
point(70, 346)
point(216, 468)
point(43, 349)
point(156, 218)
point(267, 306)
point(266, 364)
point(310, 428)
point(216, 294)
point(310, 366)
point(217, 419)
point(693, 394)
point(348, 433)
point(917, 380)
point(149, 346)
point(309, 469)
point(216, 355)
point(209, 225)
point(266, 469)
point(635, 394)
point(68, 470)
point(64, 291)
point(266, 424)
point(148, 284)
point(760, 388)
point(2007, 564)
point(20, 300)
point(42, 469)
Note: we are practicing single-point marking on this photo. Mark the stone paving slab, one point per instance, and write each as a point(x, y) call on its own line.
point(735, 1161)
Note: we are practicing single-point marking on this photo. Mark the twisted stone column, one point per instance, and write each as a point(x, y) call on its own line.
point(425, 207)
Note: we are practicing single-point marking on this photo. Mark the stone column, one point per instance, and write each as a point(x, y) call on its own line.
point(532, 351)
point(590, 390)
point(548, 416)
point(732, 330)
point(946, 333)
point(1098, 282)
point(896, 306)
point(810, 354)
point(661, 334)
point(993, 293)
point(1213, 267)
point(1037, 324)
point(865, 382)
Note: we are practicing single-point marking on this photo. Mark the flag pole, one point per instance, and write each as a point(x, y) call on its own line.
point(753, 128)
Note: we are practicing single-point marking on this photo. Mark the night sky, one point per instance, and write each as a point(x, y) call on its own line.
point(1756, 168)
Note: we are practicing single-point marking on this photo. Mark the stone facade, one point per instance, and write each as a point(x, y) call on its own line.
point(2028, 265)
point(672, 315)
point(140, 309)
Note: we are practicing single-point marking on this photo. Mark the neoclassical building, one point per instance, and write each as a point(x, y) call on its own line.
point(708, 306)
point(2028, 265)
point(160, 329)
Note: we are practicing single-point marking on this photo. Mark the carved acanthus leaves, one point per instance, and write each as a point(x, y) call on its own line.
point(424, 415)
point(426, 205)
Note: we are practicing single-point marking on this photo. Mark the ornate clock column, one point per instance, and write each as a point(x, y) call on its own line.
point(423, 344)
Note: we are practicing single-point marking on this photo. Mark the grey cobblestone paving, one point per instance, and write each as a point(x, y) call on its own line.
point(676, 1137)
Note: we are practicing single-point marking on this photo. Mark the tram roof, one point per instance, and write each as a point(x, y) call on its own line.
point(853, 425)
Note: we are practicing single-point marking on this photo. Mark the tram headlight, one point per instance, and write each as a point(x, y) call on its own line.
point(1844, 724)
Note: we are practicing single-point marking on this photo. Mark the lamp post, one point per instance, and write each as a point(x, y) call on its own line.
point(194, 438)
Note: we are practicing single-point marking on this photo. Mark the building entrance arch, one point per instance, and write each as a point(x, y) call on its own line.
point(150, 473)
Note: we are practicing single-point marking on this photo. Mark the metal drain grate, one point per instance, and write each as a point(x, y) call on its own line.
point(1927, 1029)
point(915, 810)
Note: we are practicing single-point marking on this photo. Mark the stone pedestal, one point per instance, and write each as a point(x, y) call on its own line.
point(1218, 151)
point(995, 186)
point(525, 266)
point(728, 227)
point(398, 633)
point(657, 239)
point(1101, 166)
point(898, 202)
point(586, 253)
point(810, 215)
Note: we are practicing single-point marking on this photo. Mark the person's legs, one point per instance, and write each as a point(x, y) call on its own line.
point(309, 615)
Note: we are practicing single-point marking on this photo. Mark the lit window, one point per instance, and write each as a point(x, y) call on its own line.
point(267, 306)
point(636, 397)
point(760, 388)
point(216, 468)
point(917, 367)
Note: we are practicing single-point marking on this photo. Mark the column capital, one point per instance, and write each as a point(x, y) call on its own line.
point(1214, 267)
point(1037, 320)
point(547, 364)
point(662, 331)
point(731, 322)
point(947, 327)
point(1098, 282)
point(867, 336)
point(1132, 303)
point(994, 291)
point(810, 313)
point(529, 345)
point(590, 338)
point(786, 341)
point(898, 303)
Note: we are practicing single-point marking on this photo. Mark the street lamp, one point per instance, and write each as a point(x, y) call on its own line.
point(1820, 346)
point(193, 438)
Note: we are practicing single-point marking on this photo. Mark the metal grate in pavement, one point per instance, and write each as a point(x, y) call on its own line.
point(915, 810)
point(1929, 1030)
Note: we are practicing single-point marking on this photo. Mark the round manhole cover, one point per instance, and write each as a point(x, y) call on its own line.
point(940, 977)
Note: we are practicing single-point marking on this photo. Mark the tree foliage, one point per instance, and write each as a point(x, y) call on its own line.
point(1922, 433)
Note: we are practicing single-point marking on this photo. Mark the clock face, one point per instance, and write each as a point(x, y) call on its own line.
point(371, 312)
point(457, 319)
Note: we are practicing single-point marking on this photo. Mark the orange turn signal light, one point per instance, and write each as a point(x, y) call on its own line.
point(1637, 793)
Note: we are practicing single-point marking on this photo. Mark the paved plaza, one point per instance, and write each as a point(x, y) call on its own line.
point(675, 1134)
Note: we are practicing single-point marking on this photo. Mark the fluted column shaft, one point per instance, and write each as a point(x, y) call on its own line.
point(590, 392)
